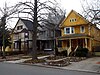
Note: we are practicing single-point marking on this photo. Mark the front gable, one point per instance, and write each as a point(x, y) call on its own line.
point(19, 26)
point(73, 19)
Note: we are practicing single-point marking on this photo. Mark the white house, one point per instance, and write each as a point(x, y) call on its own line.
point(22, 37)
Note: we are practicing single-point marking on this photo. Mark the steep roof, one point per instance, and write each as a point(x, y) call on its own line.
point(28, 24)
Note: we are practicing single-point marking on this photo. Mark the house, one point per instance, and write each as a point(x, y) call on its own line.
point(21, 35)
point(48, 33)
point(77, 31)
point(45, 40)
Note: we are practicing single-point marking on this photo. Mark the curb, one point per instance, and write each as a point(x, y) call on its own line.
point(54, 67)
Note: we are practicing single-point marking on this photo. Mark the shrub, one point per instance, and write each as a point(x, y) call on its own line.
point(81, 52)
point(56, 51)
point(62, 53)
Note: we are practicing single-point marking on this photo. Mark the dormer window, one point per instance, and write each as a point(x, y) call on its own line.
point(82, 29)
point(19, 27)
point(72, 20)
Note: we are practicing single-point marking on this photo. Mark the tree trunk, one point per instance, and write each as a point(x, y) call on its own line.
point(4, 55)
point(34, 49)
point(3, 20)
point(34, 33)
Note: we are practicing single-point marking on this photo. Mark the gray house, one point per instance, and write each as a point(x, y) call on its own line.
point(22, 37)
point(47, 36)
point(46, 39)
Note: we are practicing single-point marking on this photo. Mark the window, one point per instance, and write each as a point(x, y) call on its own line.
point(72, 20)
point(82, 29)
point(69, 30)
point(72, 29)
point(16, 45)
point(26, 35)
point(19, 27)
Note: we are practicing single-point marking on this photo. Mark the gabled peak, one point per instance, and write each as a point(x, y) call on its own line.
point(73, 18)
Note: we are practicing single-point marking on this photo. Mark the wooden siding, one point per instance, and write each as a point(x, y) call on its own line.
point(91, 30)
point(73, 15)
point(77, 30)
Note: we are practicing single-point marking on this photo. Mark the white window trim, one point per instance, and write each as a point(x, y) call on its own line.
point(69, 31)
point(81, 29)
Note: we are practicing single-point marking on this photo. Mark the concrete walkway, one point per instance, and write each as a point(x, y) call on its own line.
point(17, 61)
point(22, 60)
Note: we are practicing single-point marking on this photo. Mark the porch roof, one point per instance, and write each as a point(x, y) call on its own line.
point(74, 36)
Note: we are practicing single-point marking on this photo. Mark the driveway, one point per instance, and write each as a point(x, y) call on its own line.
point(90, 64)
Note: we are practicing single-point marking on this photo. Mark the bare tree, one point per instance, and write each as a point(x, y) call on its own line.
point(52, 25)
point(38, 13)
point(91, 10)
point(6, 14)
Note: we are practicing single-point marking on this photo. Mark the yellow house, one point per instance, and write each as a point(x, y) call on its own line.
point(77, 31)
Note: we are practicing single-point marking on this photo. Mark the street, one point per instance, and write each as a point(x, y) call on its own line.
point(17, 69)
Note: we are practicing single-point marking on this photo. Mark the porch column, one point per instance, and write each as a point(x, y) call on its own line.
point(90, 45)
point(57, 42)
point(69, 49)
point(70, 42)
point(86, 42)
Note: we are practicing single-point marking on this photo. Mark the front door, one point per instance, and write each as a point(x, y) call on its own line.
point(74, 44)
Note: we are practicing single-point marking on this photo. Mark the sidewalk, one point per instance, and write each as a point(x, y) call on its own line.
point(22, 59)
point(88, 65)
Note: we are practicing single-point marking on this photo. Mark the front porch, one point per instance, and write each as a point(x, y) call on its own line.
point(22, 46)
point(71, 44)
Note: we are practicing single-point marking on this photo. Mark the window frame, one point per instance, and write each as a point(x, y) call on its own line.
point(71, 30)
point(20, 27)
point(82, 29)
point(73, 20)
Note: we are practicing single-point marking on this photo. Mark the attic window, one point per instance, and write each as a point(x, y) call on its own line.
point(72, 20)
point(19, 27)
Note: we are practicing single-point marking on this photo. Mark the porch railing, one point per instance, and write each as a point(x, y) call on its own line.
point(76, 48)
point(71, 53)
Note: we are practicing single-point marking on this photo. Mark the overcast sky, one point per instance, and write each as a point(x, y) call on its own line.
point(66, 4)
